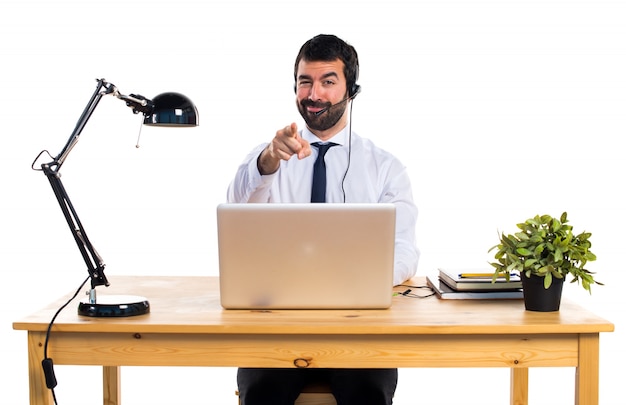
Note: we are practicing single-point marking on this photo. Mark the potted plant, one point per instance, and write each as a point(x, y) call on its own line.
point(544, 252)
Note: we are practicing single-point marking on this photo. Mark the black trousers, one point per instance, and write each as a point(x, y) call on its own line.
point(263, 386)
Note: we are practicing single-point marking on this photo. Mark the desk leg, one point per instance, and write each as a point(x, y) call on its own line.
point(588, 370)
point(519, 386)
point(39, 393)
point(111, 380)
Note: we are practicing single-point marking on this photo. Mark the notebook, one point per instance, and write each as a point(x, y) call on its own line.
point(306, 256)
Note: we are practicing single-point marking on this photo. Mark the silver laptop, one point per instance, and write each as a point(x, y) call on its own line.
point(306, 256)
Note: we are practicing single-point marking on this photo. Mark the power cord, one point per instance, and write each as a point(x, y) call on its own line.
point(409, 292)
point(47, 363)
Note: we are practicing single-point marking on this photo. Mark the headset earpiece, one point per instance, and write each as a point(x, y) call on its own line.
point(354, 90)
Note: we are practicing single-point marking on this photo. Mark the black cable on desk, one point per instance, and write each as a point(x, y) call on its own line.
point(409, 293)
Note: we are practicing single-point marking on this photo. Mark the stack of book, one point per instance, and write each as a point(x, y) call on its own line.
point(474, 284)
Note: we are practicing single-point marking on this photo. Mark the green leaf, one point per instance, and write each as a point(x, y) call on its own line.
point(521, 236)
point(558, 255)
point(547, 280)
point(529, 262)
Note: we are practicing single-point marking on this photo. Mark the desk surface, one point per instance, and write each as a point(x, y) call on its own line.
point(191, 305)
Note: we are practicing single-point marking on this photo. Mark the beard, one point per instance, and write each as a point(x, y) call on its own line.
point(325, 120)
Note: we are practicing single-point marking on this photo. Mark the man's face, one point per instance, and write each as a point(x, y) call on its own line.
point(321, 85)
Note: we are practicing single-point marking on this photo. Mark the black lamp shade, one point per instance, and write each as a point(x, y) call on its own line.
point(172, 109)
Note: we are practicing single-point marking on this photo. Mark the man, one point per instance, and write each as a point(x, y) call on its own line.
point(326, 72)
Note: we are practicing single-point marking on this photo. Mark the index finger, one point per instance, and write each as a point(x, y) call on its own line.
point(291, 130)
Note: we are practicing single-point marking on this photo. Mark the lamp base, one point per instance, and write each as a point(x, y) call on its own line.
point(115, 306)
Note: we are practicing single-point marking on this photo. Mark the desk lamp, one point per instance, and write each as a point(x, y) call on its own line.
point(166, 109)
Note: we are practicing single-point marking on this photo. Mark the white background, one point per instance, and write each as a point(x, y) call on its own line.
point(500, 110)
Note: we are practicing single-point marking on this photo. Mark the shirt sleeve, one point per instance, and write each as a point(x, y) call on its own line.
point(249, 185)
point(398, 191)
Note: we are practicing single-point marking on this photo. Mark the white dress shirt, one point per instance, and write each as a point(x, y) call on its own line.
point(371, 175)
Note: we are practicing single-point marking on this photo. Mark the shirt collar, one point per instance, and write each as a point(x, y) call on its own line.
point(339, 138)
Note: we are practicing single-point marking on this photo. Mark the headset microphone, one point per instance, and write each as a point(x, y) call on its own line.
point(356, 91)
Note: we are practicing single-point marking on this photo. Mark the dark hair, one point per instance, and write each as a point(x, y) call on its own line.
point(328, 48)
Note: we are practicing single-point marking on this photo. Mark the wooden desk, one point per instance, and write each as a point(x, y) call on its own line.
point(188, 327)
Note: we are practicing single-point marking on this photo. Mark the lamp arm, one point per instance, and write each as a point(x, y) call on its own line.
point(95, 265)
point(82, 121)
